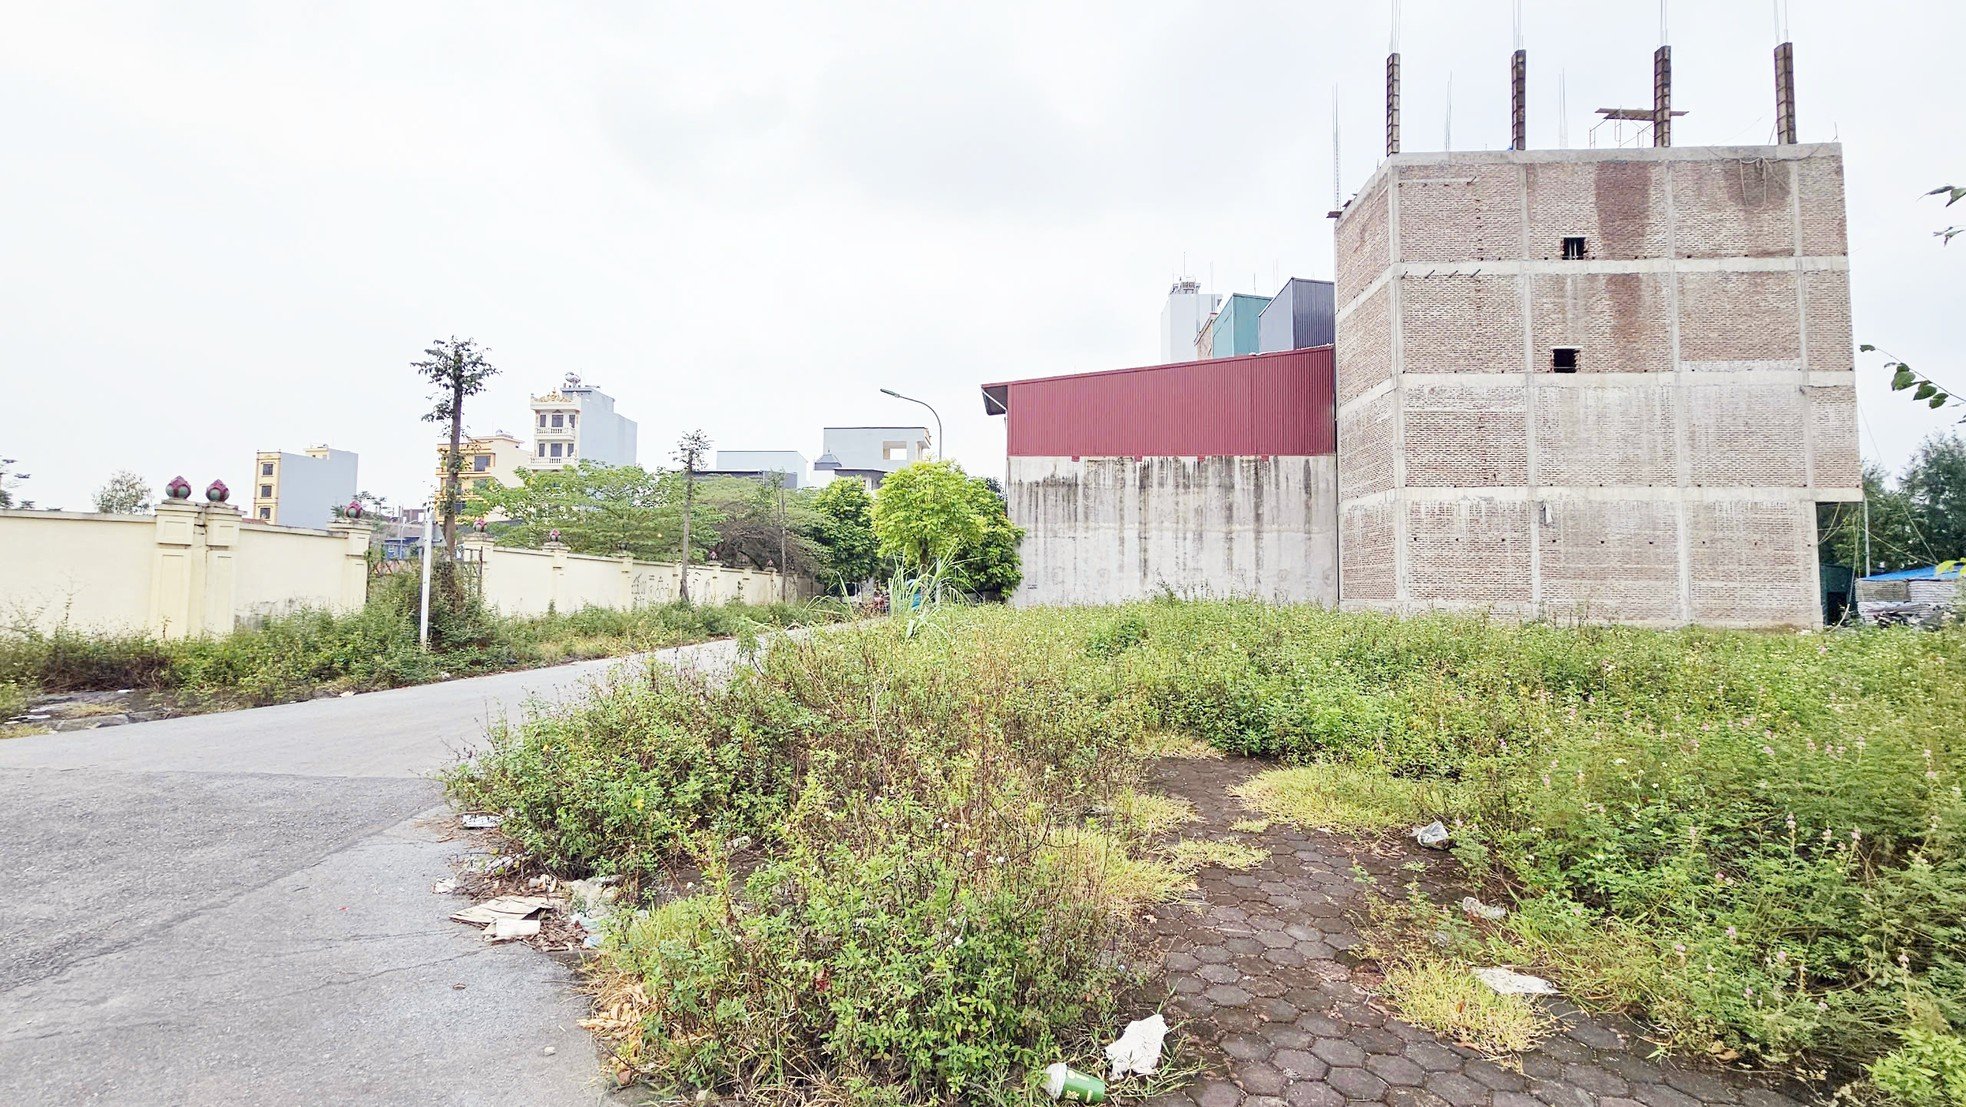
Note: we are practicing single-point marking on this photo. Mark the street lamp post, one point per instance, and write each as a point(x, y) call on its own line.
point(940, 449)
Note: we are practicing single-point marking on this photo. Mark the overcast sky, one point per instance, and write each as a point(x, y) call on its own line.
point(231, 226)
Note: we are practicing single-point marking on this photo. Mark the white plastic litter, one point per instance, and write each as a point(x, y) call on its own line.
point(505, 929)
point(1511, 983)
point(592, 925)
point(478, 820)
point(1433, 835)
point(1138, 1047)
point(1479, 910)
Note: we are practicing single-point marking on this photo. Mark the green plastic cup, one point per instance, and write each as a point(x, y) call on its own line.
point(1064, 1082)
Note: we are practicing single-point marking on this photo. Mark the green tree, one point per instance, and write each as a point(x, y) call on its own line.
point(1892, 528)
point(762, 522)
point(924, 514)
point(598, 509)
point(456, 368)
point(932, 512)
point(125, 493)
point(1934, 482)
point(846, 534)
point(992, 564)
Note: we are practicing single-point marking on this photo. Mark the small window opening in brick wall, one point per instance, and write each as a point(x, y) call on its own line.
point(1573, 247)
point(1563, 359)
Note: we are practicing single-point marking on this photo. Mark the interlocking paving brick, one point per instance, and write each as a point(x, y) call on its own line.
point(1265, 991)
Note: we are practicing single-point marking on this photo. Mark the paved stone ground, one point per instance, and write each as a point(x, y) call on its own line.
point(1283, 1015)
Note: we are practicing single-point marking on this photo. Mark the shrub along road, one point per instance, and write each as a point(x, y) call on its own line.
point(236, 908)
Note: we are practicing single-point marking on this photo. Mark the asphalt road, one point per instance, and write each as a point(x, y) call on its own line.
point(236, 908)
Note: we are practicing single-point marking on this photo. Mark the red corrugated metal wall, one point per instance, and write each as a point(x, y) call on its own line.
point(1278, 404)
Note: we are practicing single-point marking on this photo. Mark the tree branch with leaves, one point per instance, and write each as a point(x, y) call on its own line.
point(457, 369)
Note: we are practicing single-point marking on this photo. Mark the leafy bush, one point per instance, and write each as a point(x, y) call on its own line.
point(955, 856)
point(1929, 1070)
point(896, 974)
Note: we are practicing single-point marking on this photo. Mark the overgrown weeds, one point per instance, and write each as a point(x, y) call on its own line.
point(296, 655)
point(953, 854)
point(1755, 840)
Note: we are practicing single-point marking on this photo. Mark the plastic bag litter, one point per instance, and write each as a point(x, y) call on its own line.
point(1479, 910)
point(505, 928)
point(476, 820)
point(1511, 983)
point(1138, 1047)
point(1433, 835)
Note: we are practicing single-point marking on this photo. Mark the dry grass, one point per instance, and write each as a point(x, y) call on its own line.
point(1191, 854)
point(1148, 815)
point(1098, 863)
point(1329, 796)
point(1166, 743)
point(1444, 996)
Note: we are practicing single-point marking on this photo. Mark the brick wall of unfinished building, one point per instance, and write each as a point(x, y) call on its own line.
point(1674, 476)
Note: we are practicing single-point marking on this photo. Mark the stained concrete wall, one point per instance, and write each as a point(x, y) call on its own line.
point(1107, 530)
point(530, 582)
point(1673, 477)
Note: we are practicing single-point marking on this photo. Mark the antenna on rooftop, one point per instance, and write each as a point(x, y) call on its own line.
point(1784, 77)
point(1562, 114)
point(1518, 89)
point(1392, 88)
point(1447, 139)
point(1337, 188)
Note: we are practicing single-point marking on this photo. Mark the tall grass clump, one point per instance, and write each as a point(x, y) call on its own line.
point(920, 859)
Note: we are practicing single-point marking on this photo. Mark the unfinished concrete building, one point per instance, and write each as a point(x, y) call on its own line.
point(1604, 384)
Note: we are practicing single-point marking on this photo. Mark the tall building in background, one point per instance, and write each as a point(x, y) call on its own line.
point(1301, 315)
point(1233, 331)
point(869, 454)
point(486, 457)
point(1182, 319)
point(577, 422)
point(1595, 384)
point(302, 490)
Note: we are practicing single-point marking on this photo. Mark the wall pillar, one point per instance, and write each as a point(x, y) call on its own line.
point(177, 571)
point(218, 612)
point(353, 592)
point(557, 595)
point(627, 600)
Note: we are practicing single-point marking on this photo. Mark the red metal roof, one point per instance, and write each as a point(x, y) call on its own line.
point(1262, 404)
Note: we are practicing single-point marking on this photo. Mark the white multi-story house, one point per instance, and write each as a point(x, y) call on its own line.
point(577, 422)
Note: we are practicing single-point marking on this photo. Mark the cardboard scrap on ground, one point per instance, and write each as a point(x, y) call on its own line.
point(504, 907)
